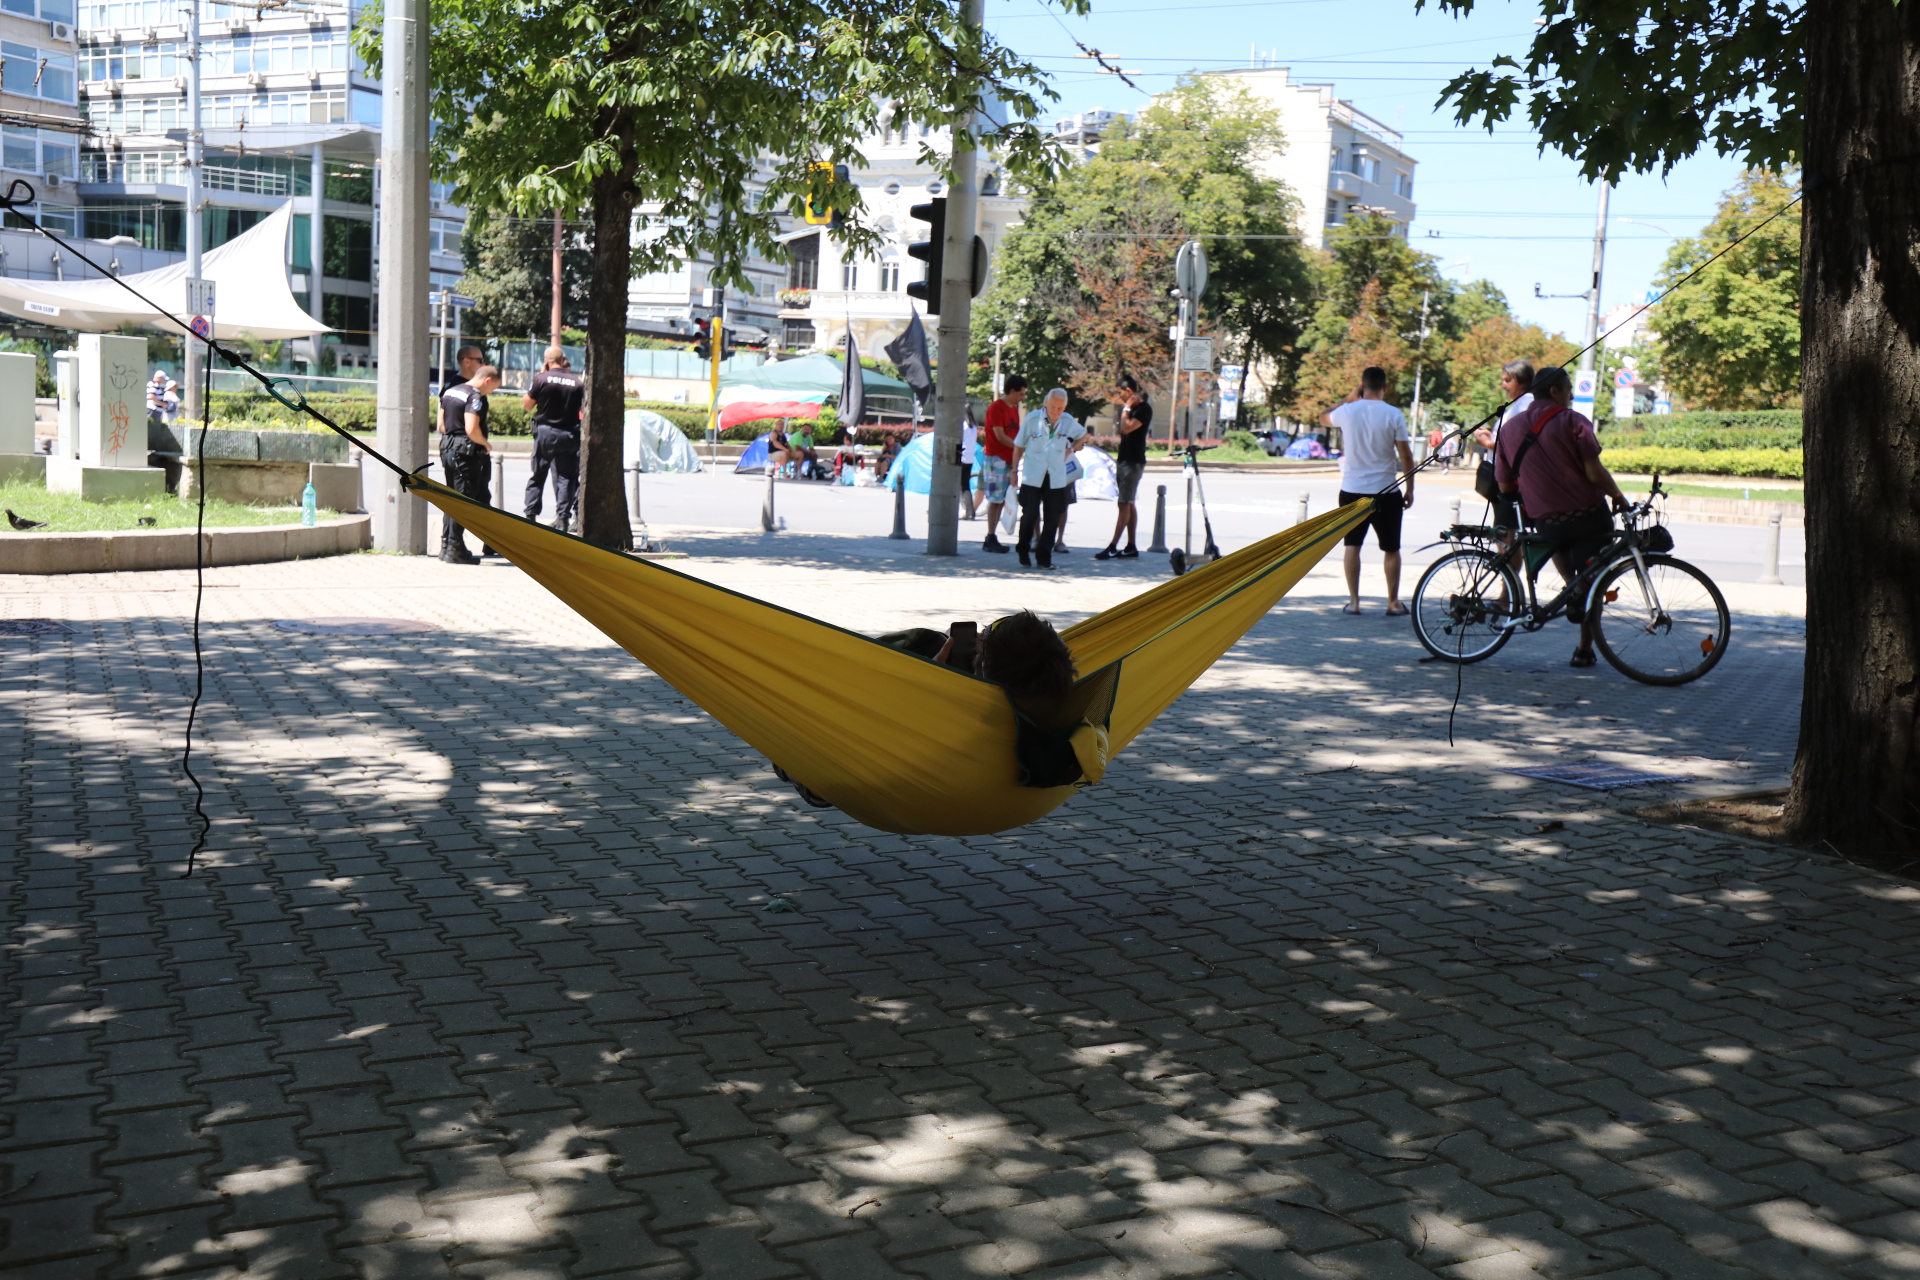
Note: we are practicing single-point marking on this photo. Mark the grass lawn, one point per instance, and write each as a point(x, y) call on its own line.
point(68, 513)
point(1758, 491)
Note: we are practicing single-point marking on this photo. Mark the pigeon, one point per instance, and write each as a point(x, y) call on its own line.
point(22, 523)
point(147, 522)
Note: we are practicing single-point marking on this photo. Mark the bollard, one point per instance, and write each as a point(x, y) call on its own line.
point(1303, 510)
point(633, 498)
point(899, 511)
point(1770, 571)
point(767, 522)
point(499, 479)
point(1453, 512)
point(1159, 547)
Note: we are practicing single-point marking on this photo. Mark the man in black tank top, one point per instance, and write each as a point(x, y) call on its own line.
point(554, 399)
point(466, 455)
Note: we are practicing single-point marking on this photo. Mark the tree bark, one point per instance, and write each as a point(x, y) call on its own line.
point(603, 498)
point(1856, 781)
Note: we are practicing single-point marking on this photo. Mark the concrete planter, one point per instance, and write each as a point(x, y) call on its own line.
point(123, 550)
point(258, 466)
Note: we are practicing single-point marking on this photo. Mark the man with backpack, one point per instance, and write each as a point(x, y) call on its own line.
point(1550, 457)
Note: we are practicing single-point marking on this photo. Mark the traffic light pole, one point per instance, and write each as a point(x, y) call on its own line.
point(954, 334)
point(403, 417)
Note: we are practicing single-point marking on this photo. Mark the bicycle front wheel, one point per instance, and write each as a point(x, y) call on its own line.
point(1667, 626)
point(1462, 599)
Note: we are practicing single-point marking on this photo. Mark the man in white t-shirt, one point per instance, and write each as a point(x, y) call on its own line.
point(1374, 455)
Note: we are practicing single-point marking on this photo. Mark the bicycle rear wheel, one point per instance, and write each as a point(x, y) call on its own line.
point(1461, 599)
point(1669, 627)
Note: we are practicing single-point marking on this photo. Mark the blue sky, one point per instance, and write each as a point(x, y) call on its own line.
point(1497, 207)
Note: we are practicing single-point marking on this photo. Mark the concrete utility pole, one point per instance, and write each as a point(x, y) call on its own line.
point(195, 350)
point(956, 315)
point(399, 520)
point(317, 249)
point(1587, 361)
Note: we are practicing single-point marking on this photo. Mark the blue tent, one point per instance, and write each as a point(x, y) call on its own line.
point(914, 466)
point(754, 456)
point(1306, 447)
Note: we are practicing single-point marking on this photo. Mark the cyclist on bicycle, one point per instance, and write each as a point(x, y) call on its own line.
point(1550, 456)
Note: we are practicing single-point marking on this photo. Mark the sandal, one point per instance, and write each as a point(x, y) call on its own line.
point(1398, 611)
point(1350, 607)
point(1581, 658)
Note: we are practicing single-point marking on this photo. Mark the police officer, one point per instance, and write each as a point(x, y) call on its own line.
point(469, 358)
point(465, 452)
point(554, 398)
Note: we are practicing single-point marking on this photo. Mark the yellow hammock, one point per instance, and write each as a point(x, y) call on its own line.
point(924, 749)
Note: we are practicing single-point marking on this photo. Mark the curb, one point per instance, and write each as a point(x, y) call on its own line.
point(127, 550)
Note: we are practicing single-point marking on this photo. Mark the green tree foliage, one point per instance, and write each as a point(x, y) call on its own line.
point(708, 113)
point(1730, 338)
point(509, 273)
point(1475, 358)
point(1093, 259)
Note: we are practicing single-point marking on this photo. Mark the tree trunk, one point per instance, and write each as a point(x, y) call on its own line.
point(603, 498)
point(1856, 782)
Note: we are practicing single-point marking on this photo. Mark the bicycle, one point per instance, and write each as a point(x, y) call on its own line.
point(1655, 618)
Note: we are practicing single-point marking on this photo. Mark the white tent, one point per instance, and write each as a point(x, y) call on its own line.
point(251, 298)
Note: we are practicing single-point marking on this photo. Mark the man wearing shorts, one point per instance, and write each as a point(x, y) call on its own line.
point(996, 455)
point(1373, 438)
point(1563, 487)
point(1129, 464)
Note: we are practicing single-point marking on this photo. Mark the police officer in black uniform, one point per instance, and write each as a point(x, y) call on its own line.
point(465, 452)
point(554, 398)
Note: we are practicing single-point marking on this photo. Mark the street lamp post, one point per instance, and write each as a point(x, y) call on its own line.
point(998, 341)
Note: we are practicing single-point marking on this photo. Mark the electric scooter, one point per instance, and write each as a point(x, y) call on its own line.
point(1182, 555)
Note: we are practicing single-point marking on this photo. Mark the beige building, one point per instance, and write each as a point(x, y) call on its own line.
point(40, 118)
point(867, 292)
point(1339, 160)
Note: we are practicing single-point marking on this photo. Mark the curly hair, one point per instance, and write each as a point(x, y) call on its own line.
point(1024, 655)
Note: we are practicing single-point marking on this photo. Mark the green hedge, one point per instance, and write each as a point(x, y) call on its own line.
point(1709, 429)
point(1787, 463)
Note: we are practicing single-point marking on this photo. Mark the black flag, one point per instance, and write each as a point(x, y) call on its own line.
point(853, 387)
point(909, 355)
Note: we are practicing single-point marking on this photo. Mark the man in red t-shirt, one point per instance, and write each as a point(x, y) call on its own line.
point(996, 454)
point(1563, 487)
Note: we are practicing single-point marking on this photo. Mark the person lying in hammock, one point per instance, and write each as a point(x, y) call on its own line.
point(1021, 653)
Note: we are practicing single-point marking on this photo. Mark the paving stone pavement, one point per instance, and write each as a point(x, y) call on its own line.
point(506, 963)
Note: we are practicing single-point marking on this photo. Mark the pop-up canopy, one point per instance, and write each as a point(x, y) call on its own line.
point(251, 297)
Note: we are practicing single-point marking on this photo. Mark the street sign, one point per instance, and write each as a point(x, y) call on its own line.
point(1196, 355)
point(1624, 379)
point(458, 301)
point(1190, 269)
point(199, 297)
point(1229, 392)
point(201, 326)
point(1585, 383)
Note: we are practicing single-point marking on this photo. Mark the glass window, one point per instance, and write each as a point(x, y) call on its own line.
point(56, 10)
point(60, 217)
point(26, 7)
point(850, 276)
point(59, 158)
point(19, 149)
point(890, 277)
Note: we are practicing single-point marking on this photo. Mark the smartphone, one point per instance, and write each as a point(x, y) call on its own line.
point(966, 643)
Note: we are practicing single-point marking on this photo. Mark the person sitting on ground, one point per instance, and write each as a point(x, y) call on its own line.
point(1550, 457)
point(779, 450)
point(888, 452)
point(800, 445)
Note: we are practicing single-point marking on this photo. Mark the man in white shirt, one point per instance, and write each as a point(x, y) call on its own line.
point(1047, 439)
point(1373, 437)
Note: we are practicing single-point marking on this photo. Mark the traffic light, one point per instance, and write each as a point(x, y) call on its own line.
point(930, 251)
point(703, 342)
point(818, 213)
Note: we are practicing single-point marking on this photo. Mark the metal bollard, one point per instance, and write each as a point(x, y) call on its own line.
point(1159, 547)
point(1453, 512)
point(499, 479)
point(1303, 510)
point(633, 498)
point(767, 522)
point(899, 511)
point(1770, 570)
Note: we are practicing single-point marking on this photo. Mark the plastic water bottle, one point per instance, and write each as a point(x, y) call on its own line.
point(309, 504)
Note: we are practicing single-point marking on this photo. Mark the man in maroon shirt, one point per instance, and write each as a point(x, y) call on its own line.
point(1550, 456)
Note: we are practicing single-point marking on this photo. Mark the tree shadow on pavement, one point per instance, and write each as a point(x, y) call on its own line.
point(506, 961)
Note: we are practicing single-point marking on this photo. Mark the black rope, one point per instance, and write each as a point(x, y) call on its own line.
point(199, 595)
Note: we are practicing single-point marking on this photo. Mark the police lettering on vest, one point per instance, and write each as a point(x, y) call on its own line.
point(455, 404)
point(557, 397)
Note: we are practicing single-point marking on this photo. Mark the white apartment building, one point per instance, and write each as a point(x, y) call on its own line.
point(867, 292)
point(287, 111)
point(1339, 160)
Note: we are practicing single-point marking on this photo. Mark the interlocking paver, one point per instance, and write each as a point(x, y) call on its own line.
point(1296, 992)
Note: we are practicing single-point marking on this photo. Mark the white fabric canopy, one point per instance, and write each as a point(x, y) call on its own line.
point(251, 298)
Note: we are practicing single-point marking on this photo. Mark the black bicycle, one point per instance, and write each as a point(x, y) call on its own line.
point(1655, 618)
